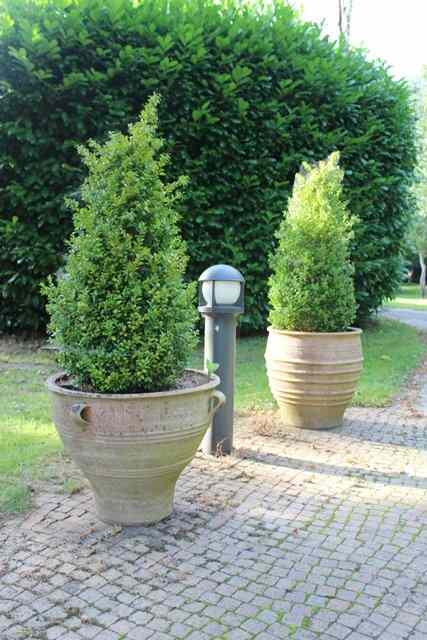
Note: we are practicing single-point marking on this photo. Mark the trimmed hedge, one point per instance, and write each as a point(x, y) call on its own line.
point(247, 96)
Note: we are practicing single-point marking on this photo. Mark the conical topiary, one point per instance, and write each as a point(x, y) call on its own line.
point(123, 318)
point(311, 288)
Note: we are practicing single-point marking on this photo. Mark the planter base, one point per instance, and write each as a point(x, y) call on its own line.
point(312, 417)
point(149, 503)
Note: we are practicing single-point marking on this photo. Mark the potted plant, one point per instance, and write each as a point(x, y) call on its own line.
point(314, 356)
point(128, 412)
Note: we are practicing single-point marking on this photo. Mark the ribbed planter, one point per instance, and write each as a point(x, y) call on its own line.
point(133, 447)
point(313, 376)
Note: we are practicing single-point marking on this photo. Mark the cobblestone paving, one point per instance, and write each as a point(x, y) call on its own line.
point(300, 535)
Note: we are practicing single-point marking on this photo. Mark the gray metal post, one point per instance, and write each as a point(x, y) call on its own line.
point(220, 347)
point(221, 300)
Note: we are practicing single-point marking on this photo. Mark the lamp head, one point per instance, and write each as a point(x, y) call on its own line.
point(221, 290)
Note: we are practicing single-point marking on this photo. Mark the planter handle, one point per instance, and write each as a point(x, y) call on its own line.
point(76, 411)
point(216, 401)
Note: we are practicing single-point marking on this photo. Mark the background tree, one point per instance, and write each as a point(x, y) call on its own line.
point(345, 8)
point(417, 233)
point(417, 237)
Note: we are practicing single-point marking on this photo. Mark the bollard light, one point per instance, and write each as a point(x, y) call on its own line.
point(221, 300)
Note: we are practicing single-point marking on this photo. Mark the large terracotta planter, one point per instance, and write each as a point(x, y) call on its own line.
point(133, 447)
point(313, 376)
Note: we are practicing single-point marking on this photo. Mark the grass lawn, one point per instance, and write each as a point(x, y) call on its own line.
point(26, 433)
point(408, 298)
point(28, 439)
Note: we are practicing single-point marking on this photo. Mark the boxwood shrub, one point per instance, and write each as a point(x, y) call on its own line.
point(311, 287)
point(247, 95)
point(122, 316)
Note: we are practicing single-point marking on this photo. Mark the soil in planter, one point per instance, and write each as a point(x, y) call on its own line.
point(188, 380)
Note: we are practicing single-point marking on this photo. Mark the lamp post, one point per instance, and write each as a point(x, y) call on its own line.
point(221, 300)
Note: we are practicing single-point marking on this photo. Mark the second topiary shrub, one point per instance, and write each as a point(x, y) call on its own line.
point(311, 288)
point(122, 317)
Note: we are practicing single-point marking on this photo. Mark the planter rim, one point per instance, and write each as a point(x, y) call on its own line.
point(53, 386)
point(351, 331)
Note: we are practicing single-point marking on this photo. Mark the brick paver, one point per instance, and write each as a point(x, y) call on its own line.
point(300, 535)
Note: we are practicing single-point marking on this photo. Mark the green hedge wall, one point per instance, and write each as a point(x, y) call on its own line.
point(247, 96)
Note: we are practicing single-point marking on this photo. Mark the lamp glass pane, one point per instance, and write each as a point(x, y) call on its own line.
point(226, 292)
point(207, 292)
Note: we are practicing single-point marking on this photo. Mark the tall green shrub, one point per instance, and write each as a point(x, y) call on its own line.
point(247, 95)
point(312, 288)
point(122, 317)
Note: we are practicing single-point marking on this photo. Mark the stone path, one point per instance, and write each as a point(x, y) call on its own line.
point(300, 535)
point(417, 319)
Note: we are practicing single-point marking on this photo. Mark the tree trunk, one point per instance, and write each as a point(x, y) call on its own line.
point(345, 8)
point(422, 276)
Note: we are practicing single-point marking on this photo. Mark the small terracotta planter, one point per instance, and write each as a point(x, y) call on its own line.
point(133, 447)
point(313, 376)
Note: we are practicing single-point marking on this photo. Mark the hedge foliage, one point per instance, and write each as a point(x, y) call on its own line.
point(247, 95)
point(123, 317)
point(311, 288)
